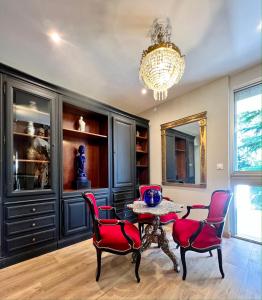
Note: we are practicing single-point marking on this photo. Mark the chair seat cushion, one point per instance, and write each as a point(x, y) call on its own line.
point(112, 237)
point(171, 217)
point(184, 228)
point(148, 218)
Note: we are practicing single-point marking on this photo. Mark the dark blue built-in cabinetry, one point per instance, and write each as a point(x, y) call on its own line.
point(41, 208)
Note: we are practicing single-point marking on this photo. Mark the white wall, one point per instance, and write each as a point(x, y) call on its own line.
point(213, 98)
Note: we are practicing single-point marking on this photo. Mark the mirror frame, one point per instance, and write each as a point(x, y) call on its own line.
point(202, 119)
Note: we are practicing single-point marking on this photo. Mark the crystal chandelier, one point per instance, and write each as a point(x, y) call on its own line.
point(162, 64)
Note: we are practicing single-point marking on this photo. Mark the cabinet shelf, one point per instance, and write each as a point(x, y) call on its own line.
point(138, 137)
point(181, 150)
point(84, 134)
point(141, 151)
point(31, 136)
point(142, 166)
point(32, 161)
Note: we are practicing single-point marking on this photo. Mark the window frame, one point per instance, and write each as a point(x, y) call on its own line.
point(254, 176)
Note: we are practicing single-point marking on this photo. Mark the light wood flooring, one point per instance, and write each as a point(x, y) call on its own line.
point(69, 273)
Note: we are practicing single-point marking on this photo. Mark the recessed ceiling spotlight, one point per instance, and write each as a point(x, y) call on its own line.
point(144, 91)
point(55, 37)
point(259, 26)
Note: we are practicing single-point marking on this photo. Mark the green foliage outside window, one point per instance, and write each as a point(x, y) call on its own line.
point(249, 142)
point(256, 200)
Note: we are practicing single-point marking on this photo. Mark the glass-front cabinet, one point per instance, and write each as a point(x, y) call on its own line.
point(31, 146)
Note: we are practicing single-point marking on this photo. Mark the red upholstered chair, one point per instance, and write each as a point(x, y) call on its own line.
point(148, 218)
point(203, 236)
point(112, 235)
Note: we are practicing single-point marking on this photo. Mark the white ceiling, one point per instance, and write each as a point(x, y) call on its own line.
point(103, 41)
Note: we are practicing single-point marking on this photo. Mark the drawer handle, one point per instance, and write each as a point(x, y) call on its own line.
point(33, 224)
point(33, 209)
point(33, 239)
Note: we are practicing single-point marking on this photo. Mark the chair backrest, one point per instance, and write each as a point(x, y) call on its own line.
point(218, 207)
point(143, 188)
point(91, 202)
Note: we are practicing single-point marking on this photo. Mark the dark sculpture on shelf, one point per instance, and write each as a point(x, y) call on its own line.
point(81, 179)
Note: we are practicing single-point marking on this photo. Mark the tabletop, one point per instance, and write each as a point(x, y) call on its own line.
point(163, 208)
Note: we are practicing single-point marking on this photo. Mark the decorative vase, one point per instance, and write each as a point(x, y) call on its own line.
point(82, 125)
point(152, 197)
point(30, 128)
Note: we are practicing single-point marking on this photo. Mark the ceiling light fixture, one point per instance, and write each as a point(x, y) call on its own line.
point(143, 91)
point(162, 64)
point(55, 37)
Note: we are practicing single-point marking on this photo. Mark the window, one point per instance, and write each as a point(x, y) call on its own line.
point(248, 212)
point(246, 179)
point(248, 129)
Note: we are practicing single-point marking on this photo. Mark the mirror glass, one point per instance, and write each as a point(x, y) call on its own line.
point(184, 151)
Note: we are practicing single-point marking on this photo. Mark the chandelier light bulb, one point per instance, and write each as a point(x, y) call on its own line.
point(162, 64)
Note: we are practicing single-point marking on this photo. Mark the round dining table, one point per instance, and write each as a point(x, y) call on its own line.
point(154, 232)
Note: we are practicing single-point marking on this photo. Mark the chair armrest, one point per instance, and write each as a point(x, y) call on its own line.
point(121, 223)
point(199, 206)
point(196, 233)
point(106, 207)
point(108, 221)
point(195, 206)
point(214, 220)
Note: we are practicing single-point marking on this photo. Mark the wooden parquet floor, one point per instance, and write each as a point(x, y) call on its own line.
point(69, 273)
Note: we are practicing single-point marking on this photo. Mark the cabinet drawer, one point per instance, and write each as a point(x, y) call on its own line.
point(29, 225)
point(30, 240)
point(123, 196)
point(29, 210)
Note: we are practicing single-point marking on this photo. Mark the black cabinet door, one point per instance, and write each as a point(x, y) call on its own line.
point(31, 139)
point(76, 216)
point(120, 201)
point(190, 161)
point(124, 152)
point(1, 161)
point(170, 156)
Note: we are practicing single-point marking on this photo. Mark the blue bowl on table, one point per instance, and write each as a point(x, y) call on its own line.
point(152, 197)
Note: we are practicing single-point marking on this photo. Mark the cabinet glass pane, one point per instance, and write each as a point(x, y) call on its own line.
point(31, 142)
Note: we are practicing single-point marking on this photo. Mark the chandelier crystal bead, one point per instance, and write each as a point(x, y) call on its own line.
point(162, 64)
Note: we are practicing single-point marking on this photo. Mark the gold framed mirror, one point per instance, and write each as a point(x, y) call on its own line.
point(184, 151)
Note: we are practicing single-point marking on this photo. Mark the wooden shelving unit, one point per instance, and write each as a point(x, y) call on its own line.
point(142, 159)
point(95, 140)
point(84, 134)
point(31, 136)
point(32, 161)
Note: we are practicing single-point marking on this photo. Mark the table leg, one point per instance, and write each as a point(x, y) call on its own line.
point(154, 233)
point(149, 236)
point(164, 245)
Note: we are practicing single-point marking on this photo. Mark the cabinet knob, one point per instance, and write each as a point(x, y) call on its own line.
point(33, 239)
point(33, 209)
point(33, 224)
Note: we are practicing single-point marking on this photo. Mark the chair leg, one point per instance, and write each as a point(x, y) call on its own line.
point(183, 260)
point(140, 229)
point(98, 270)
point(219, 255)
point(210, 253)
point(138, 259)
